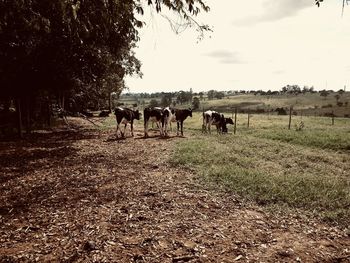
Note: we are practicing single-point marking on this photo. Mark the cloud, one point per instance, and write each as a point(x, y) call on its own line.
point(275, 10)
point(225, 56)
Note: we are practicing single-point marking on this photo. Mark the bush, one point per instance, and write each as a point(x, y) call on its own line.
point(327, 106)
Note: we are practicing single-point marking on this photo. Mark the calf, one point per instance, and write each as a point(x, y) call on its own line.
point(154, 114)
point(168, 117)
point(125, 116)
point(180, 116)
point(213, 118)
point(227, 121)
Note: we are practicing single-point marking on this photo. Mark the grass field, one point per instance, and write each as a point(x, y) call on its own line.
point(307, 169)
point(308, 104)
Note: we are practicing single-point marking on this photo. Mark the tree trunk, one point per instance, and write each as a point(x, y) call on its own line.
point(19, 118)
point(48, 112)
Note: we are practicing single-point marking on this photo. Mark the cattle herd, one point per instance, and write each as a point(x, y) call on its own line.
point(163, 117)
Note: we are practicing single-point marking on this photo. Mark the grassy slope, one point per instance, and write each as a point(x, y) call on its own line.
point(268, 163)
point(306, 102)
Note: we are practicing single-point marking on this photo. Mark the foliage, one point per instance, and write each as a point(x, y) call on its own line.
point(183, 97)
point(324, 93)
point(195, 103)
point(291, 89)
point(72, 50)
point(166, 100)
point(213, 94)
point(64, 45)
point(153, 103)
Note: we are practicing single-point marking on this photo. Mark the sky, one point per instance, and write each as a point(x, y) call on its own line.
point(260, 44)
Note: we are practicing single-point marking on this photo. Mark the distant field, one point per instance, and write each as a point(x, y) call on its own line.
point(309, 104)
point(306, 104)
point(267, 163)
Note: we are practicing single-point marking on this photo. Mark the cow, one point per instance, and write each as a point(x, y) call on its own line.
point(125, 116)
point(213, 118)
point(154, 114)
point(227, 121)
point(168, 117)
point(180, 116)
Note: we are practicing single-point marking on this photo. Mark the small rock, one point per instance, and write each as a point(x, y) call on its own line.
point(89, 246)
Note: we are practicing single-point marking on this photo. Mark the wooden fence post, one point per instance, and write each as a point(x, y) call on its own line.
point(290, 117)
point(235, 127)
point(248, 119)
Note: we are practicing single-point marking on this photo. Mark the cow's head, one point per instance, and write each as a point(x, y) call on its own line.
point(190, 112)
point(229, 121)
point(137, 114)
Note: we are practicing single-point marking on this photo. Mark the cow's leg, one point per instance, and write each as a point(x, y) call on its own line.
point(116, 133)
point(132, 128)
point(178, 128)
point(123, 134)
point(118, 128)
point(146, 128)
point(182, 128)
point(209, 124)
point(166, 126)
point(161, 128)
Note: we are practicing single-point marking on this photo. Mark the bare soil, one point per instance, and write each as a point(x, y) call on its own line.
point(81, 195)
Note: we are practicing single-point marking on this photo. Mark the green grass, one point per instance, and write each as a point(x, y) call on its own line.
point(267, 163)
point(318, 132)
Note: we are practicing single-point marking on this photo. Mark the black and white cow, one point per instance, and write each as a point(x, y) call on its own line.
point(168, 117)
point(125, 116)
point(153, 114)
point(180, 116)
point(213, 118)
point(224, 127)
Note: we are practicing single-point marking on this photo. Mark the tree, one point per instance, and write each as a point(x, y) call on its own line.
point(74, 50)
point(341, 92)
point(166, 100)
point(201, 94)
point(183, 97)
point(195, 103)
point(219, 95)
point(337, 97)
point(324, 93)
point(153, 103)
point(211, 94)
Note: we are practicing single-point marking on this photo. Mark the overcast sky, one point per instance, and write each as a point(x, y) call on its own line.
point(260, 44)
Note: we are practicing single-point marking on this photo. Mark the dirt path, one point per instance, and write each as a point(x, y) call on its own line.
point(86, 197)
